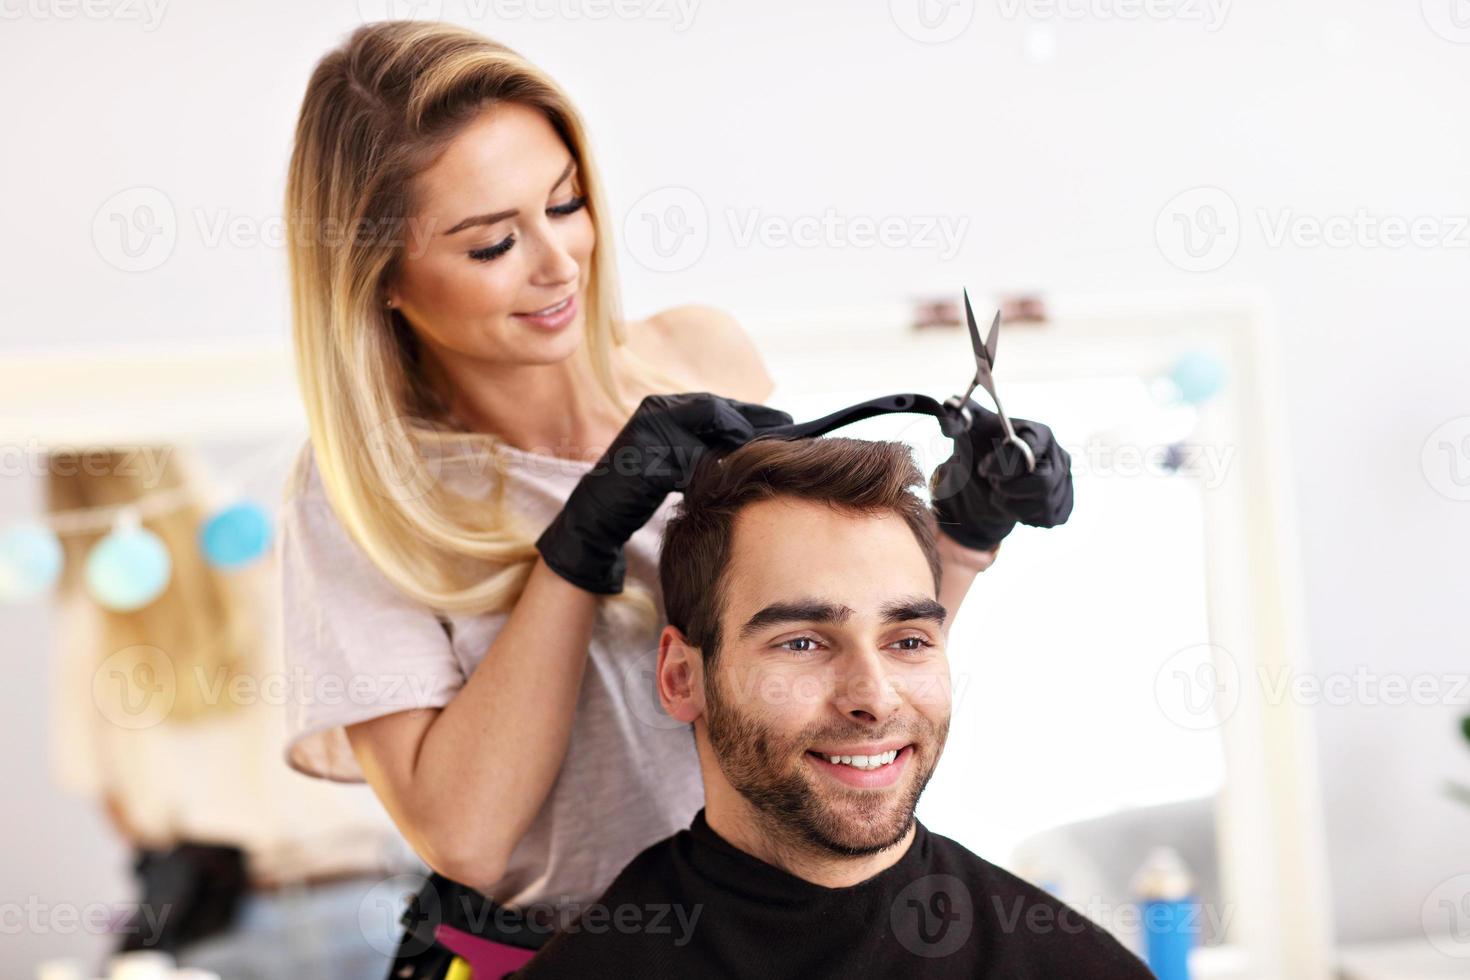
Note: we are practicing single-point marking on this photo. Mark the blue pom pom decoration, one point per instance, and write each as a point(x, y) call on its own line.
point(30, 562)
point(1198, 375)
point(128, 569)
point(236, 536)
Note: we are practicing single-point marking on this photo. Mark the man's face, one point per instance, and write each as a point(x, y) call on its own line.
point(832, 645)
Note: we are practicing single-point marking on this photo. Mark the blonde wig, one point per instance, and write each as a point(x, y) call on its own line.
point(378, 111)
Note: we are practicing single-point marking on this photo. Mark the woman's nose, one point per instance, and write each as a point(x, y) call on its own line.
point(554, 260)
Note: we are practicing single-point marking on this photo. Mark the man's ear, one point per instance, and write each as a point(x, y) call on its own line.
point(680, 676)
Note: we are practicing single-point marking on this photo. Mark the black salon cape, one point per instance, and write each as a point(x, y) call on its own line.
point(941, 911)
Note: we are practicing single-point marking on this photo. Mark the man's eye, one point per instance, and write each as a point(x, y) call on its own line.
point(919, 644)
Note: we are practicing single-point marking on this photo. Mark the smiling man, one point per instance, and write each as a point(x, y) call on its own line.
point(806, 647)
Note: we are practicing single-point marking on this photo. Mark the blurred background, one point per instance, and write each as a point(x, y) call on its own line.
point(1231, 241)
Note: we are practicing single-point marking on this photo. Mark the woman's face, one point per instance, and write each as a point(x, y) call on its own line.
point(503, 231)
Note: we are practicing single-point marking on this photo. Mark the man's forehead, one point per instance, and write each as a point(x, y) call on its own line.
point(785, 548)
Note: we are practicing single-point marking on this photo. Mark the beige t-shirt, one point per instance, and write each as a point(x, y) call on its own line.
point(360, 649)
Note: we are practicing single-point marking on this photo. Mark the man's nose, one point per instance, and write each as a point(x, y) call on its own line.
point(865, 687)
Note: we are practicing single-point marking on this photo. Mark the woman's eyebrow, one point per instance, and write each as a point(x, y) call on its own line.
point(819, 611)
point(494, 216)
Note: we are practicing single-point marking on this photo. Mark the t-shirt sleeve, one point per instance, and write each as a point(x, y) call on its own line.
point(354, 647)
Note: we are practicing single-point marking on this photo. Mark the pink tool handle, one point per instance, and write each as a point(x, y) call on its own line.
point(488, 959)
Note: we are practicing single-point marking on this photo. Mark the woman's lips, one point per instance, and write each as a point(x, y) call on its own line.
point(880, 778)
point(552, 321)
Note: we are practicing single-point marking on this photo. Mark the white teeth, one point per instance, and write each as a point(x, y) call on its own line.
point(552, 309)
point(866, 761)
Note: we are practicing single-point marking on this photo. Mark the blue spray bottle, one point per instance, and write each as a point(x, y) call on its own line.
point(1170, 913)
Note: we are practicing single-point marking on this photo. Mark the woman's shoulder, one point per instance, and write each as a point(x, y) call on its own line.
point(306, 516)
point(706, 343)
point(302, 479)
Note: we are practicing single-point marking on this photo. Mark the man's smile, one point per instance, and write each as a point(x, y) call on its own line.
point(878, 771)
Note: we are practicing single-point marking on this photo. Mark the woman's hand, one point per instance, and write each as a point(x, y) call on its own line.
point(983, 490)
point(653, 455)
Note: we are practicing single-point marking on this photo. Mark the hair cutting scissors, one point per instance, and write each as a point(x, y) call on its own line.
point(955, 418)
point(985, 378)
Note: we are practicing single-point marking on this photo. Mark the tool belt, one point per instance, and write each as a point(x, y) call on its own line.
point(442, 901)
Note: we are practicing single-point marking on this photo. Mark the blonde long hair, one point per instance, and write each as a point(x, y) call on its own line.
point(377, 111)
point(205, 629)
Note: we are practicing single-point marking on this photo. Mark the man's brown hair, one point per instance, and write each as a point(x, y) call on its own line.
point(864, 476)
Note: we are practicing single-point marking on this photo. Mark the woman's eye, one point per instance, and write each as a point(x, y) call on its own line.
point(493, 251)
point(500, 248)
point(572, 206)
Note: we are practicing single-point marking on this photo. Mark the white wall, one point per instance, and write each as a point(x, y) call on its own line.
point(1062, 166)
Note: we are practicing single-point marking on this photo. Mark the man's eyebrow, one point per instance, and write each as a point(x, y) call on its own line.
point(819, 611)
point(918, 607)
point(494, 216)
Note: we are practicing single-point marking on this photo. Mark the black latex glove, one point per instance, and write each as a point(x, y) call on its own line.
point(983, 490)
point(651, 457)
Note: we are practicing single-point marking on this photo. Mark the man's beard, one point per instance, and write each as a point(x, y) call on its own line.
point(797, 812)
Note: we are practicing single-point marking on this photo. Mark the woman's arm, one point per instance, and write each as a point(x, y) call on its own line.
point(958, 567)
point(464, 782)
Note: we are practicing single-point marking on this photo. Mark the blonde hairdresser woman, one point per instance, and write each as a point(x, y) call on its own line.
point(470, 588)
